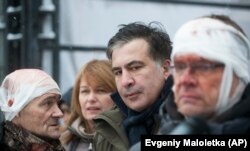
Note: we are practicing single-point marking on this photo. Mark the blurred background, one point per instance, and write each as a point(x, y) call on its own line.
point(59, 36)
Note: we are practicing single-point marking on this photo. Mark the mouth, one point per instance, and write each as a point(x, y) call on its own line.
point(55, 125)
point(132, 96)
point(93, 109)
point(189, 98)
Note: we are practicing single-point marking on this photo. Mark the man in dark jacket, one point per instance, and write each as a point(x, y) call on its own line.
point(140, 62)
point(211, 73)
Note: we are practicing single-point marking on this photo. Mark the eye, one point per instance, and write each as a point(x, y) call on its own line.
point(48, 102)
point(82, 91)
point(202, 67)
point(101, 90)
point(180, 66)
point(134, 67)
point(117, 72)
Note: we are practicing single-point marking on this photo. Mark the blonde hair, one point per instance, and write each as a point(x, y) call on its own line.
point(95, 72)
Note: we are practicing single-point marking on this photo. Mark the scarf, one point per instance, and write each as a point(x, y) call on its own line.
point(141, 123)
point(22, 140)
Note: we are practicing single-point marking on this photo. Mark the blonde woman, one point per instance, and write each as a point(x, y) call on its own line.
point(90, 97)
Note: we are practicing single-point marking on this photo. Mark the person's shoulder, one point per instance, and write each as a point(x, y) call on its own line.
point(111, 119)
point(113, 114)
point(113, 110)
point(2, 119)
point(4, 147)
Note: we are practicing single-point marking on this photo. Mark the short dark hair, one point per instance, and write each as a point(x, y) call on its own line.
point(160, 46)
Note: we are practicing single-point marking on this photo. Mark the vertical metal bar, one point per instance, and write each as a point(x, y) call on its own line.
point(56, 54)
point(33, 55)
point(2, 40)
point(14, 34)
point(24, 30)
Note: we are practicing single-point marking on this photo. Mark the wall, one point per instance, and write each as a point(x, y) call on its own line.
point(94, 22)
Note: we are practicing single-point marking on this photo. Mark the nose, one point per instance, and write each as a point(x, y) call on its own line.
point(57, 111)
point(127, 79)
point(188, 77)
point(92, 97)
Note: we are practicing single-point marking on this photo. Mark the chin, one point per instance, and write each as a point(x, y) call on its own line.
point(52, 136)
point(89, 118)
point(189, 111)
point(194, 113)
point(55, 136)
point(137, 108)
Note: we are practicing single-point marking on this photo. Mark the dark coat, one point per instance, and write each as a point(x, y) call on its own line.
point(236, 120)
point(110, 134)
point(116, 129)
point(18, 139)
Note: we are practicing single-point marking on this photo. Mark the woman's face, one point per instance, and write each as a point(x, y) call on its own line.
point(93, 99)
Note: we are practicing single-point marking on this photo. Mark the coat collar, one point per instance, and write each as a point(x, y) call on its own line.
point(163, 94)
point(20, 139)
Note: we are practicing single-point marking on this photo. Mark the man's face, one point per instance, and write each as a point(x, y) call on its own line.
point(41, 116)
point(138, 78)
point(196, 88)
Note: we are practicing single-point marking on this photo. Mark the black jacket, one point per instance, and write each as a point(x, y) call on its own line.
point(3, 146)
point(234, 121)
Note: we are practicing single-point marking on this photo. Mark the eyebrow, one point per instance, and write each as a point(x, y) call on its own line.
point(128, 65)
point(52, 97)
point(134, 62)
point(83, 86)
point(48, 98)
point(200, 59)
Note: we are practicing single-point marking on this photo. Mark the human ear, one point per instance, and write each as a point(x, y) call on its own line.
point(166, 65)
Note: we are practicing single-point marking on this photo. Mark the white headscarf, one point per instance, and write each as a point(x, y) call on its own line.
point(214, 40)
point(22, 86)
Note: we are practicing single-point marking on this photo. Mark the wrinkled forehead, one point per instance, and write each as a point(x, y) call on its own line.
point(48, 96)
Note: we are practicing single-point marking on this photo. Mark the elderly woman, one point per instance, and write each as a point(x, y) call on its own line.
point(29, 101)
point(90, 97)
